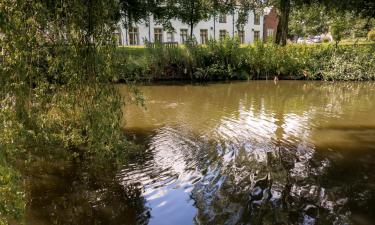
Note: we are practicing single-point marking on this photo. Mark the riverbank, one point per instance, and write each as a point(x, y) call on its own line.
point(228, 60)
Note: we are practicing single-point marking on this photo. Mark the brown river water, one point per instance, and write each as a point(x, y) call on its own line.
point(254, 152)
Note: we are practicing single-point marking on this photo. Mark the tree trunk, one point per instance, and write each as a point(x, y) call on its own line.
point(191, 30)
point(282, 26)
point(191, 20)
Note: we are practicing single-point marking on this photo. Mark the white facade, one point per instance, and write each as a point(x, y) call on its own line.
point(211, 28)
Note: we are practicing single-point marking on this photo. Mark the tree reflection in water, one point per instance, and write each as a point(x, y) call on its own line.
point(69, 195)
point(280, 188)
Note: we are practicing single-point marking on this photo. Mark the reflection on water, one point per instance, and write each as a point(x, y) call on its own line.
point(245, 153)
point(66, 195)
point(256, 153)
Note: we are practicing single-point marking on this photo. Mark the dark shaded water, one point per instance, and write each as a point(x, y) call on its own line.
point(234, 153)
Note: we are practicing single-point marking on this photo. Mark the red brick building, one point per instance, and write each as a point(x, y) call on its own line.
point(270, 24)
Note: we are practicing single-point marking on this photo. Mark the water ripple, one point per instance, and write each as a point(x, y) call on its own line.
point(249, 157)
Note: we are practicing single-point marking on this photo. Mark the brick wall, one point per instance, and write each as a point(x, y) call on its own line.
point(270, 22)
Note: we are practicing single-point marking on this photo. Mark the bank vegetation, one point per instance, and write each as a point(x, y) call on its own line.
point(228, 60)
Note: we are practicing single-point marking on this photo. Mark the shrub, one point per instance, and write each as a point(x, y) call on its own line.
point(168, 63)
point(350, 63)
point(225, 60)
point(129, 67)
point(220, 59)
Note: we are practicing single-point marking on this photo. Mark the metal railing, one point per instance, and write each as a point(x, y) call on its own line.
point(164, 44)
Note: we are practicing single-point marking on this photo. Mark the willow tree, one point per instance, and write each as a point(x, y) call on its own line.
point(55, 93)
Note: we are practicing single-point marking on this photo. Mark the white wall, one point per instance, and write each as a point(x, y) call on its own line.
point(145, 31)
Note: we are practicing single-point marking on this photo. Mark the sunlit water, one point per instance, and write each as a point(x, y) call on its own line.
point(246, 153)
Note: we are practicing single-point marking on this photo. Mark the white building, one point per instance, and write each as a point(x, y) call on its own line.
point(215, 27)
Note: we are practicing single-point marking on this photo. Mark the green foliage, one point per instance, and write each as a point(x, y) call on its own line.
point(190, 11)
point(56, 94)
point(57, 82)
point(364, 8)
point(351, 63)
point(371, 35)
point(167, 63)
point(226, 60)
point(340, 25)
point(12, 197)
point(130, 66)
point(308, 20)
point(316, 18)
point(219, 60)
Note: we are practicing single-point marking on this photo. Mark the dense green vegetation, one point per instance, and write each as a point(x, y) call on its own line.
point(225, 60)
point(12, 197)
point(315, 16)
point(56, 102)
point(316, 19)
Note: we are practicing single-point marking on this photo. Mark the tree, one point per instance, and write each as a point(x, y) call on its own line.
point(316, 18)
point(133, 11)
point(55, 95)
point(308, 20)
point(191, 11)
point(340, 25)
point(364, 8)
point(348, 14)
point(244, 6)
point(284, 7)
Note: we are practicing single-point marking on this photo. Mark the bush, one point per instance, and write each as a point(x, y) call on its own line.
point(226, 60)
point(219, 60)
point(168, 63)
point(371, 35)
point(129, 66)
point(351, 63)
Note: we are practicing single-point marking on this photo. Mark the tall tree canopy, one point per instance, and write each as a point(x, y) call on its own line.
point(308, 20)
point(363, 8)
point(190, 11)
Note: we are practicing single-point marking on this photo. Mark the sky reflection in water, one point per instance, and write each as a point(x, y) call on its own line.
point(255, 153)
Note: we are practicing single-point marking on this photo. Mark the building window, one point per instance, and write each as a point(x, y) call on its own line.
point(269, 32)
point(204, 36)
point(222, 34)
point(222, 18)
point(170, 37)
point(158, 35)
point(241, 36)
point(184, 35)
point(256, 19)
point(256, 35)
point(133, 36)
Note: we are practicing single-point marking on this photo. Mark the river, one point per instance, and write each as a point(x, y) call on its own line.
point(257, 152)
